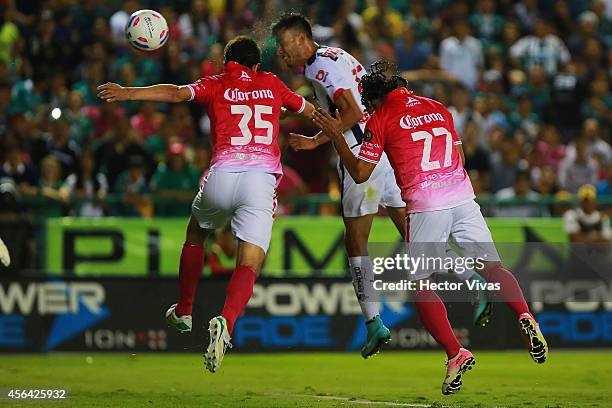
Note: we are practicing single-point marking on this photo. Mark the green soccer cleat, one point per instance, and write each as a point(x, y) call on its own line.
point(219, 343)
point(483, 304)
point(182, 324)
point(378, 335)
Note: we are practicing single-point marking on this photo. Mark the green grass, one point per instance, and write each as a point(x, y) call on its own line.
point(500, 379)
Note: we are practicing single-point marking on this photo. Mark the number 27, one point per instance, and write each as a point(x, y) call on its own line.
point(426, 163)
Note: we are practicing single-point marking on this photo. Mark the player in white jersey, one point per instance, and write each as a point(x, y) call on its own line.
point(335, 76)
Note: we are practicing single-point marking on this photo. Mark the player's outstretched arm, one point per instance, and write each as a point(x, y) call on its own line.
point(301, 142)
point(351, 114)
point(111, 92)
point(359, 170)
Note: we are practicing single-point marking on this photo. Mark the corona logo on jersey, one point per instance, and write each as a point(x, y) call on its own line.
point(235, 95)
point(412, 122)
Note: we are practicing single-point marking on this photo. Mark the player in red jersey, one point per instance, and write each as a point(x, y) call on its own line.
point(425, 152)
point(244, 106)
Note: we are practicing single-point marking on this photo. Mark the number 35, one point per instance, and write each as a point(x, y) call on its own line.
point(247, 114)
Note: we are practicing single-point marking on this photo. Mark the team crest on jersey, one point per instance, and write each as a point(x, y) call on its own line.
point(411, 102)
point(245, 77)
point(367, 136)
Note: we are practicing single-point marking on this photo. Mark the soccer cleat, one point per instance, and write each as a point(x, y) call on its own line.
point(483, 304)
point(378, 334)
point(182, 324)
point(5, 257)
point(538, 348)
point(219, 343)
point(455, 368)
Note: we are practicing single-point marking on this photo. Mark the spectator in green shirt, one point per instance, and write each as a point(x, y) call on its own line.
point(175, 183)
point(157, 144)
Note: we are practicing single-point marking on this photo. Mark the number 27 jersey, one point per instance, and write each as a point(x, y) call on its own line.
point(419, 137)
point(244, 109)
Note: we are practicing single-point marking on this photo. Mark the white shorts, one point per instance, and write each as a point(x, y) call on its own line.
point(463, 225)
point(247, 198)
point(362, 199)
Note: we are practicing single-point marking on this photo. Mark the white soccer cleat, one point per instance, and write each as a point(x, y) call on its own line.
point(182, 324)
point(5, 257)
point(219, 343)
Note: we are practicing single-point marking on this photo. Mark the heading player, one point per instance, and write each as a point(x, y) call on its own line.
point(335, 76)
point(425, 152)
point(244, 107)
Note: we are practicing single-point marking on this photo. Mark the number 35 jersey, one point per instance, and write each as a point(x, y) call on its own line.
point(419, 137)
point(244, 109)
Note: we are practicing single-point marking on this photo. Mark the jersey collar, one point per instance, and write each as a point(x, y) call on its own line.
point(238, 71)
point(397, 93)
point(314, 56)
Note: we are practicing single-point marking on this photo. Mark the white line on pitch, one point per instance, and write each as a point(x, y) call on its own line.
point(351, 400)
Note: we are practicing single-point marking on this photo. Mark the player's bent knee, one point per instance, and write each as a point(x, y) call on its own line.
point(250, 255)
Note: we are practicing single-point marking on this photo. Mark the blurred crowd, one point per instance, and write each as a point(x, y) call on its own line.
point(527, 82)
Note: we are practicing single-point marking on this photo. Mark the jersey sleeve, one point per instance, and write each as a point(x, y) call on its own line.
point(290, 100)
point(334, 76)
point(373, 142)
point(202, 90)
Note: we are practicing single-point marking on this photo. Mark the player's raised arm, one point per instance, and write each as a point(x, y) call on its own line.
point(111, 92)
point(360, 170)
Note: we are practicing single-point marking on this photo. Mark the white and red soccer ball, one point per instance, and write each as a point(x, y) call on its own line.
point(147, 30)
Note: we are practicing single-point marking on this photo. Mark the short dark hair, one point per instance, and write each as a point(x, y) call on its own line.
point(380, 81)
point(292, 21)
point(243, 50)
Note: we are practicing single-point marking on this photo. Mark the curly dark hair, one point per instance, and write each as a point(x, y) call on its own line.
point(380, 81)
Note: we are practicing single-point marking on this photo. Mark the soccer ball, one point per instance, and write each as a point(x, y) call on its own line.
point(147, 30)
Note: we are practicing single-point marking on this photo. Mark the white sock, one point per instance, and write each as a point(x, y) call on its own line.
point(363, 278)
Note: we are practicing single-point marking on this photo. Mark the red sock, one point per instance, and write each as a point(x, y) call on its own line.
point(239, 291)
point(432, 313)
point(190, 271)
point(510, 290)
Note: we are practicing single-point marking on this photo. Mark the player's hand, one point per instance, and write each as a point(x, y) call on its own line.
point(111, 92)
point(5, 258)
point(330, 126)
point(301, 142)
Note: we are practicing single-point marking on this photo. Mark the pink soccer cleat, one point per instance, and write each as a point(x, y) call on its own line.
point(455, 368)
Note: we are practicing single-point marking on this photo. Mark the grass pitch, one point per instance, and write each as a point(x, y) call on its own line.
point(393, 379)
